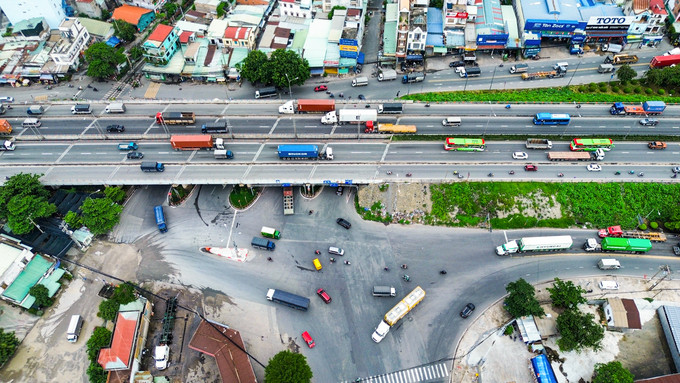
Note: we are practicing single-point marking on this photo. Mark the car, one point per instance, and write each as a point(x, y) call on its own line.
point(6, 100)
point(676, 169)
point(467, 310)
point(530, 168)
point(676, 250)
point(456, 64)
point(594, 168)
point(649, 122)
point(520, 155)
point(344, 223)
point(660, 145)
point(339, 191)
point(115, 128)
point(308, 339)
point(336, 250)
point(361, 97)
point(135, 155)
point(324, 295)
point(320, 88)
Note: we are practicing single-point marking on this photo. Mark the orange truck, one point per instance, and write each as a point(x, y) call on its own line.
point(191, 141)
point(5, 127)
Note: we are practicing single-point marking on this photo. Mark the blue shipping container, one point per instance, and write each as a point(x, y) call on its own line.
point(298, 151)
point(160, 218)
point(654, 106)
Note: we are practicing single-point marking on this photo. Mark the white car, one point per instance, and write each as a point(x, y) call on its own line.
point(520, 155)
point(594, 168)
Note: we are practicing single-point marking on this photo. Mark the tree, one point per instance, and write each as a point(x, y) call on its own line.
point(8, 345)
point(108, 309)
point(136, 52)
point(332, 12)
point(73, 220)
point(103, 60)
point(106, 15)
point(100, 215)
point(578, 331)
point(41, 295)
point(124, 30)
point(625, 73)
point(124, 294)
point(612, 372)
point(101, 337)
point(284, 65)
point(521, 299)
point(287, 367)
point(96, 373)
point(170, 8)
point(22, 211)
point(254, 67)
point(220, 10)
point(566, 294)
point(115, 193)
point(20, 185)
point(439, 4)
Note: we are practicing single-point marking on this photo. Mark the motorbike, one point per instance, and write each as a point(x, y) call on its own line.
point(641, 174)
point(346, 262)
point(404, 266)
point(408, 174)
point(332, 260)
point(270, 259)
point(368, 106)
point(427, 105)
point(501, 66)
point(675, 175)
point(578, 106)
point(455, 172)
point(460, 176)
point(80, 87)
point(389, 172)
point(560, 174)
point(317, 252)
point(511, 172)
point(341, 95)
point(311, 212)
point(331, 95)
point(443, 272)
point(631, 172)
point(407, 278)
point(70, 85)
point(387, 269)
point(507, 106)
point(617, 173)
point(95, 89)
point(490, 174)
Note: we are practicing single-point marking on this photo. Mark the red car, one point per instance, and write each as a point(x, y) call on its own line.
point(531, 168)
point(324, 295)
point(321, 88)
point(308, 339)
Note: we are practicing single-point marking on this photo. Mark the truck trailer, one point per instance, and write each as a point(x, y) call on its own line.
point(617, 232)
point(303, 152)
point(191, 141)
point(390, 129)
point(152, 167)
point(597, 155)
point(397, 312)
point(5, 127)
point(538, 143)
point(621, 59)
point(664, 61)
point(263, 243)
point(307, 106)
point(647, 108)
point(519, 68)
point(413, 77)
point(554, 243)
point(387, 75)
point(350, 116)
point(559, 72)
point(630, 245)
point(288, 299)
point(393, 108)
point(175, 118)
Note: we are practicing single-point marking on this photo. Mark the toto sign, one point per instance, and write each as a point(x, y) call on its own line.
point(609, 23)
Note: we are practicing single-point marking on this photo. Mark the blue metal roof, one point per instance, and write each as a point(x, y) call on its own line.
point(542, 369)
point(435, 21)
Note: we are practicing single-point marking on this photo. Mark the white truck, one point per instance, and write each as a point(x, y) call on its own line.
point(7, 146)
point(397, 312)
point(608, 264)
point(161, 355)
point(554, 243)
point(538, 143)
point(360, 81)
point(387, 75)
point(350, 116)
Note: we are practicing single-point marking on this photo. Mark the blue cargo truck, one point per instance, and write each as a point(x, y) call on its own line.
point(160, 218)
point(291, 300)
point(262, 243)
point(303, 152)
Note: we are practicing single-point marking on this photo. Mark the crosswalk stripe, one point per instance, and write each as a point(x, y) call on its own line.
point(412, 375)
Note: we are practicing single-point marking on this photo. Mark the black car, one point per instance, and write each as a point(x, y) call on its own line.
point(135, 155)
point(456, 64)
point(339, 191)
point(676, 250)
point(115, 128)
point(362, 97)
point(344, 223)
point(467, 310)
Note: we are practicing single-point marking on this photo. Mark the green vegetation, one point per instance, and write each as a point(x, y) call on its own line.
point(332, 11)
point(102, 60)
point(123, 294)
point(579, 331)
point(41, 295)
point(8, 345)
point(101, 337)
point(23, 200)
point(612, 372)
point(281, 67)
point(124, 30)
point(521, 299)
point(594, 204)
point(100, 215)
point(242, 197)
point(566, 295)
point(178, 193)
point(287, 367)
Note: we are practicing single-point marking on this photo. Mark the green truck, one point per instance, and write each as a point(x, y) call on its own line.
point(270, 232)
point(636, 245)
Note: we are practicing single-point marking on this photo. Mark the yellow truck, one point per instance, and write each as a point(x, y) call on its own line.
point(391, 129)
point(5, 127)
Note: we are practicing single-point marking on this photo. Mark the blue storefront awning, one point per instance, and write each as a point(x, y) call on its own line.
point(113, 41)
point(360, 58)
point(414, 57)
point(316, 71)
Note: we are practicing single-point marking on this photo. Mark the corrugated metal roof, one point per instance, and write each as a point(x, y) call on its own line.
point(118, 356)
point(489, 17)
point(543, 372)
point(511, 24)
point(130, 13)
point(673, 378)
point(29, 276)
point(632, 314)
point(317, 40)
point(435, 21)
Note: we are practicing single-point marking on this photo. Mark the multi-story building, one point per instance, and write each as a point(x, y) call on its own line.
point(161, 44)
point(89, 7)
point(296, 8)
point(329, 4)
point(137, 16)
point(51, 10)
point(154, 5)
point(648, 20)
point(239, 37)
point(74, 40)
point(403, 28)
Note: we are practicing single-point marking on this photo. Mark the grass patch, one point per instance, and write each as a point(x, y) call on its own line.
point(241, 197)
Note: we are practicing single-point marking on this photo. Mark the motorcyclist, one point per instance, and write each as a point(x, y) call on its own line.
point(347, 263)
point(443, 272)
point(269, 259)
point(317, 252)
point(387, 269)
point(560, 174)
point(332, 259)
point(404, 266)
point(406, 278)
point(490, 174)
point(512, 172)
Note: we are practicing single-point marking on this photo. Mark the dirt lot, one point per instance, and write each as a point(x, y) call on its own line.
point(484, 351)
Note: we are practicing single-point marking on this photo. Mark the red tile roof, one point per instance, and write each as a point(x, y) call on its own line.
point(353, 12)
point(237, 33)
point(184, 36)
point(657, 7)
point(673, 378)
point(632, 314)
point(160, 33)
point(226, 346)
point(130, 13)
point(119, 354)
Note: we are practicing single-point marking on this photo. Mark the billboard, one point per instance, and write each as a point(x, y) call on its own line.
point(549, 25)
point(604, 23)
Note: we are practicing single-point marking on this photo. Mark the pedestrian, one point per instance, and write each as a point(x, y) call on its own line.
point(398, 93)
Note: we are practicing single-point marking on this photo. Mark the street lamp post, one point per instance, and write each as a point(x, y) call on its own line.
point(574, 72)
point(290, 95)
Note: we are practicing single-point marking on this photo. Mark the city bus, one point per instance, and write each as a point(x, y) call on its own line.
point(552, 119)
point(465, 144)
point(591, 144)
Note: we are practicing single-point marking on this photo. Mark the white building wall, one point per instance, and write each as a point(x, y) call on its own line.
point(18, 10)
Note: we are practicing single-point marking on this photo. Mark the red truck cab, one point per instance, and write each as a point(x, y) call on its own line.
point(611, 231)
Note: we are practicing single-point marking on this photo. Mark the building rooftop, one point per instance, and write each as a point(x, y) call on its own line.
point(117, 357)
point(96, 27)
point(160, 33)
point(237, 33)
point(129, 13)
point(31, 274)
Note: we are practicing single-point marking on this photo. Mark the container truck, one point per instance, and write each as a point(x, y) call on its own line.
point(647, 108)
point(631, 245)
point(597, 155)
point(7, 146)
point(152, 167)
point(175, 118)
point(664, 61)
point(262, 243)
point(469, 72)
point(215, 128)
point(608, 264)
point(390, 129)
point(519, 68)
point(5, 127)
point(350, 116)
point(614, 48)
point(360, 81)
point(288, 299)
point(387, 75)
point(266, 92)
point(35, 110)
point(605, 68)
point(397, 312)
point(559, 242)
point(394, 108)
point(538, 143)
point(128, 146)
point(413, 77)
point(561, 71)
point(224, 154)
point(160, 218)
point(621, 59)
point(270, 232)
point(616, 231)
point(115, 107)
point(303, 152)
point(288, 206)
point(307, 106)
point(191, 141)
